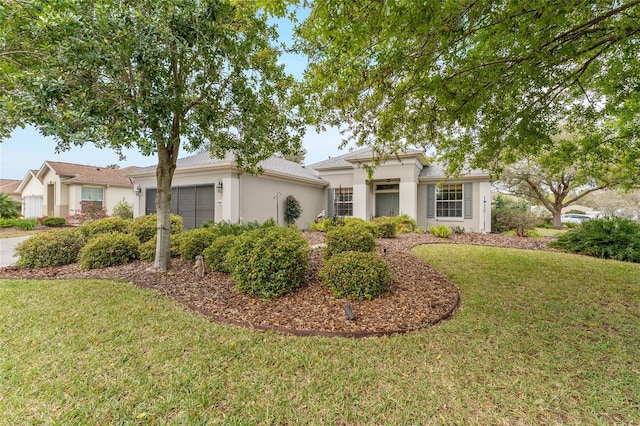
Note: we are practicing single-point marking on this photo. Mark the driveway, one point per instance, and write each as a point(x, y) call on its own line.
point(6, 250)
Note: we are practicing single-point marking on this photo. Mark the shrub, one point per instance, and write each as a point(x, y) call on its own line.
point(440, 231)
point(22, 224)
point(356, 221)
point(613, 238)
point(269, 262)
point(123, 210)
point(292, 209)
point(356, 275)
point(193, 242)
point(148, 248)
point(406, 224)
point(9, 208)
point(145, 227)
point(54, 221)
point(387, 226)
point(215, 256)
point(51, 248)
point(108, 250)
point(457, 230)
point(325, 224)
point(348, 238)
point(104, 226)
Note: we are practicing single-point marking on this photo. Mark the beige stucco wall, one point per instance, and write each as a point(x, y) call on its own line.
point(56, 202)
point(262, 198)
point(112, 195)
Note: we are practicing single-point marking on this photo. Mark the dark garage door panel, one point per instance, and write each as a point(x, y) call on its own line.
point(195, 204)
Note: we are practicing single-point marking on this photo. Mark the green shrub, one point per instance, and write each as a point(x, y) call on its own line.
point(193, 242)
point(123, 210)
point(269, 262)
point(405, 224)
point(54, 221)
point(614, 238)
point(457, 230)
point(348, 238)
point(145, 227)
point(105, 226)
point(108, 250)
point(356, 275)
point(325, 224)
point(52, 248)
point(7, 223)
point(215, 256)
point(356, 221)
point(440, 231)
point(9, 208)
point(22, 224)
point(387, 226)
point(148, 248)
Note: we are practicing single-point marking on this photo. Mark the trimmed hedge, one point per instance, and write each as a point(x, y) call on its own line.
point(356, 275)
point(148, 248)
point(215, 256)
point(54, 221)
point(105, 226)
point(108, 250)
point(52, 248)
point(349, 238)
point(387, 226)
point(269, 262)
point(145, 227)
point(193, 242)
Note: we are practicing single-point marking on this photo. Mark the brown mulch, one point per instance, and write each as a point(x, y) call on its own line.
point(420, 295)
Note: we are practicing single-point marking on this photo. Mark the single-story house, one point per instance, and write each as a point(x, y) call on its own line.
point(62, 189)
point(207, 189)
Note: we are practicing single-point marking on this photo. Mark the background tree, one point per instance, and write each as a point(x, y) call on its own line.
point(568, 170)
point(624, 204)
point(155, 74)
point(479, 81)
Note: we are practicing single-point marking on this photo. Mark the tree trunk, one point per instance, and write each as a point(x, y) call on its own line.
point(557, 222)
point(167, 157)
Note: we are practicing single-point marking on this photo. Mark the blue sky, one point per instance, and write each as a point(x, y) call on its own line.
point(26, 149)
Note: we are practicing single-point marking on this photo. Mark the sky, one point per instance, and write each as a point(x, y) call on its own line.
point(27, 150)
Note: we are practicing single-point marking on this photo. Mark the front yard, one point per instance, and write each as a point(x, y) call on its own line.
point(541, 338)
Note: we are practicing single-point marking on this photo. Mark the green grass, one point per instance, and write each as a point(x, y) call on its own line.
point(541, 338)
point(547, 232)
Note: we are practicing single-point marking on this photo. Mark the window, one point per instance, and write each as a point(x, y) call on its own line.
point(344, 201)
point(449, 201)
point(92, 198)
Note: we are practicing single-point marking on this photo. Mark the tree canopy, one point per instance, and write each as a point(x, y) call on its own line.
point(153, 74)
point(483, 82)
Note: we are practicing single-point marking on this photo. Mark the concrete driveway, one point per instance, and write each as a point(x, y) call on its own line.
point(6, 250)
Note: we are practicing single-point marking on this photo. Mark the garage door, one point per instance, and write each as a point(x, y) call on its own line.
point(194, 203)
point(32, 206)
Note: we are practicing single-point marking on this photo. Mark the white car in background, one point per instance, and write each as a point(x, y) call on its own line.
point(574, 218)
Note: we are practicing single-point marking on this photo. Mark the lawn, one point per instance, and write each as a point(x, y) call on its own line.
point(541, 338)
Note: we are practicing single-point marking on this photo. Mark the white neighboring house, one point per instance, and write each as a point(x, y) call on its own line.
point(207, 189)
point(61, 189)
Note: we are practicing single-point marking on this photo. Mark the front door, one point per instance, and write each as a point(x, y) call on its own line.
point(387, 203)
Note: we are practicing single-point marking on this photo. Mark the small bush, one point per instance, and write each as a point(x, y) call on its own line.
point(387, 226)
point(145, 227)
point(148, 248)
point(614, 238)
point(215, 256)
point(104, 226)
point(457, 230)
point(123, 210)
point(348, 238)
point(52, 248)
point(193, 242)
point(108, 250)
point(54, 221)
point(269, 262)
point(325, 224)
point(356, 221)
point(406, 224)
point(356, 275)
point(22, 224)
point(440, 231)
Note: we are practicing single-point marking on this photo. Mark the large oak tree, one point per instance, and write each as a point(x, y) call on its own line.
point(479, 80)
point(158, 75)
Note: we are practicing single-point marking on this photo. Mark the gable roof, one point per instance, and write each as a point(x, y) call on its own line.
point(79, 174)
point(274, 166)
point(9, 186)
point(361, 155)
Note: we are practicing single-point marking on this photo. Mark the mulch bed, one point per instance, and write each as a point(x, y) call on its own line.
point(420, 296)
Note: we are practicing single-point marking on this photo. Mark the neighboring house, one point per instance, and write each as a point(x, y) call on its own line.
point(61, 189)
point(406, 184)
point(10, 188)
point(207, 189)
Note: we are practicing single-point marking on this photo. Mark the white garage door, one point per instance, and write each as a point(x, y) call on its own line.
point(32, 206)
